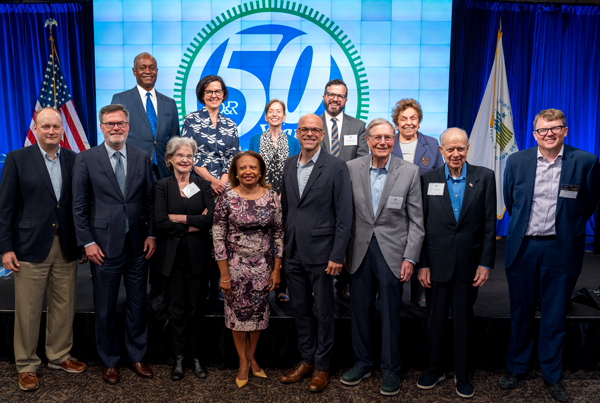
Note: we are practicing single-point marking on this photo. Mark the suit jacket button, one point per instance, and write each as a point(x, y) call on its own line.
point(298, 210)
point(53, 225)
point(58, 206)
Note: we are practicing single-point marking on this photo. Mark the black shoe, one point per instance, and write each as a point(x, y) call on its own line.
point(177, 372)
point(510, 380)
point(199, 370)
point(558, 391)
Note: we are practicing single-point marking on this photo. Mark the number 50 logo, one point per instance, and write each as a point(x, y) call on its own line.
point(290, 60)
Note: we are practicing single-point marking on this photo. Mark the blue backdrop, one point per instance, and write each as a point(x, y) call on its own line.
point(552, 58)
point(24, 50)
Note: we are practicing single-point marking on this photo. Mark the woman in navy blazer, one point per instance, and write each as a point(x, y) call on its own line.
point(407, 117)
point(275, 146)
point(183, 211)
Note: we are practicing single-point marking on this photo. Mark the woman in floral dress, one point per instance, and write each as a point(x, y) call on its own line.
point(248, 240)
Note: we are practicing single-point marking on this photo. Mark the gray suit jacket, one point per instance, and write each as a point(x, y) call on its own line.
point(350, 126)
point(140, 132)
point(399, 232)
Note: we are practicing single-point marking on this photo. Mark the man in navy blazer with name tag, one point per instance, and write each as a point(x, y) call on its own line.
point(459, 208)
point(113, 212)
point(38, 244)
point(150, 128)
point(316, 200)
point(550, 192)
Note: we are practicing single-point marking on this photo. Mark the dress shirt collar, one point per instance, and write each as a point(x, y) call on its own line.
point(462, 176)
point(143, 93)
point(112, 151)
point(386, 167)
point(313, 159)
point(45, 154)
point(560, 154)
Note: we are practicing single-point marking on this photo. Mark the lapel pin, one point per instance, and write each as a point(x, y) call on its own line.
point(470, 184)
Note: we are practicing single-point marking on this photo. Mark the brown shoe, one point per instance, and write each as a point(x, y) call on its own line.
point(142, 369)
point(110, 375)
point(28, 381)
point(297, 373)
point(70, 365)
point(319, 381)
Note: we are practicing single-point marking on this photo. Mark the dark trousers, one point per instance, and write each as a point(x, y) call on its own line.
point(537, 270)
point(106, 280)
point(315, 345)
point(461, 296)
point(372, 280)
point(186, 295)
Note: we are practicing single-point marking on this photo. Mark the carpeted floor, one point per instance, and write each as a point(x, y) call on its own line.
point(59, 386)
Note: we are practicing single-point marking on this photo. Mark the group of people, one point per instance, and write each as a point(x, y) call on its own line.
point(382, 204)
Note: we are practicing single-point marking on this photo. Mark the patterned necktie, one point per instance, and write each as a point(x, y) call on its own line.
point(151, 113)
point(120, 174)
point(335, 138)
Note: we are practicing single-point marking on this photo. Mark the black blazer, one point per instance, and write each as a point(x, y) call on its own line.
point(320, 221)
point(168, 200)
point(29, 211)
point(465, 244)
point(99, 207)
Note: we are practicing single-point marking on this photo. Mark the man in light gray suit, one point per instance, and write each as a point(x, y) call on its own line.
point(151, 125)
point(386, 237)
point(344, 135)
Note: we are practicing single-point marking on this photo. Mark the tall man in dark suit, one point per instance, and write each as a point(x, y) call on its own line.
point(459, 208)
point(152, 124)
point(387, 233)
point(550, 192)
point(112, 207)
point(317, 211)
point(344, 137)
point(38, 245)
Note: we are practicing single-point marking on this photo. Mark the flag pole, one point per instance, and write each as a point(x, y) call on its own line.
point(495, 67)
point(49, 23)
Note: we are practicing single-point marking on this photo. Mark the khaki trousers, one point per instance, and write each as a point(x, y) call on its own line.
point(57, 275)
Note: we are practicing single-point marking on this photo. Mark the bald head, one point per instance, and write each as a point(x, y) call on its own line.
point(47, 111)
point(455, 132)
point(310, 133)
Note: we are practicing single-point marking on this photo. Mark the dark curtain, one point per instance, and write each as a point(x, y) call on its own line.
point(552, 58)
point(24, 51)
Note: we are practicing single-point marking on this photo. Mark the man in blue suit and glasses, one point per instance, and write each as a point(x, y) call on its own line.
point(550, 192)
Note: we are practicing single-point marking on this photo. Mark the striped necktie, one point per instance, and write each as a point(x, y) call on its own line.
point(335, 138)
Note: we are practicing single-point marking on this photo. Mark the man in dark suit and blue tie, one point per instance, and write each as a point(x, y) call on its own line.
point(112, 208)
point(152, 123)
point(550, 192)
point(38, 245)
point(317, 211)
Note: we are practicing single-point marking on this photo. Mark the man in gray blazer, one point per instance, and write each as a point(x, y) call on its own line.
point(150, 127)
point(386, 237)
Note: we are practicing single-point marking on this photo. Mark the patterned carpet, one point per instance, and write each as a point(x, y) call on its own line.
point(59, 386)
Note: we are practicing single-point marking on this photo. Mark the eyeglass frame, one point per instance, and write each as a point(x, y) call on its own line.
point(549, 129)
point(306, 130)
point(217, 93)
point(110, 125)
point(333, 96)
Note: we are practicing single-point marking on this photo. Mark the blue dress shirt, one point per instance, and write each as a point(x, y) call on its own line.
point(456, 189)
point(377, 179)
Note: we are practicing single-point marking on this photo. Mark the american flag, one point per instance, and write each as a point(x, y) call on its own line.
point(54, 93)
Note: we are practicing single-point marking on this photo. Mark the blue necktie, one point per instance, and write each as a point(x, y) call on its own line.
point(151, 113)
point(335, 138)
point(120, 174)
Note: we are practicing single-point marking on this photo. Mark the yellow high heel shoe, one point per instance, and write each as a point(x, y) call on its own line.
point(259, 374)
point(240, 382)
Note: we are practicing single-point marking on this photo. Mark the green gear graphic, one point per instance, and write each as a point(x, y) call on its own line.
point(281, 6)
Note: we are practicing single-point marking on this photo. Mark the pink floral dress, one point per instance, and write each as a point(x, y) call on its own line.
point(249, 234)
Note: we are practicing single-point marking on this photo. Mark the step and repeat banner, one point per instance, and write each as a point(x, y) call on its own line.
point(384, 50)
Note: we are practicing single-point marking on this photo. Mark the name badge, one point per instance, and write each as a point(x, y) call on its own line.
point(435, 189)
point(190, 190)
point(395, 202)
point(351, 140)
point(569, 191)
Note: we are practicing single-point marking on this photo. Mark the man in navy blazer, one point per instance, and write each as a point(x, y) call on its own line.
point(112, 208)
point(317, 212)
point(151, 134)
point(38, 245)
point(550, 192)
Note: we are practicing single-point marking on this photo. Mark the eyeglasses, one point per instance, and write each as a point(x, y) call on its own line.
point(313, 130)
point(544, 131)
point(387, 139)
point(110, 125)
point(331, 95)
point(217, 93)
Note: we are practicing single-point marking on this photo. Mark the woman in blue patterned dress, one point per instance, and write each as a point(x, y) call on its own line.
point(248, 240)
point(215, 134)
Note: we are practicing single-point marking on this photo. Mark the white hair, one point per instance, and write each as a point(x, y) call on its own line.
point(451, 129)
